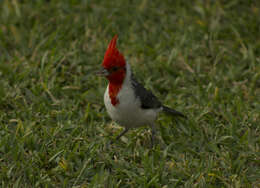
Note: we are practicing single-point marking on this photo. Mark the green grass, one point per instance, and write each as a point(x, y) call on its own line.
point(199, 57)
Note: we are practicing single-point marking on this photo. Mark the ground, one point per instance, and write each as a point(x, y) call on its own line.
point(199, 57)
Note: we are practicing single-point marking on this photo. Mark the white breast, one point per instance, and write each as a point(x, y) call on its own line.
point(128, 111)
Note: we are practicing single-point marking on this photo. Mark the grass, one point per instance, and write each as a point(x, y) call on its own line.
point(200, 57)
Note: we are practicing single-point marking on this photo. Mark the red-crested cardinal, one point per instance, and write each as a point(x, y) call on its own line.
point(127, 102)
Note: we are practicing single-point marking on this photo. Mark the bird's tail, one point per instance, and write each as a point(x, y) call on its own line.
point(173, 112)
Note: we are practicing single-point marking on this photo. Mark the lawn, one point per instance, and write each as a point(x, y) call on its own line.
point(199, 57)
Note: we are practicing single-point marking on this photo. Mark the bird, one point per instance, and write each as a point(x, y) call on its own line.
point(127, 102)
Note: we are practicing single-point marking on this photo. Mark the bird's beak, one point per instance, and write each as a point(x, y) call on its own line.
point(102, 72)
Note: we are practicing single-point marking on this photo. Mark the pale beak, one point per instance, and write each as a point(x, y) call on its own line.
point(102, 72)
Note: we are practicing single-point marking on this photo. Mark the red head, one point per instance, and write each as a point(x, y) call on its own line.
point(114, 68)
point(114, 63)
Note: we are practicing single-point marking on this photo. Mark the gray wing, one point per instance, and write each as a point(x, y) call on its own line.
point(148, 100)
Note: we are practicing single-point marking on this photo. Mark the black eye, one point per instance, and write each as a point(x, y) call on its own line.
point(115, 69)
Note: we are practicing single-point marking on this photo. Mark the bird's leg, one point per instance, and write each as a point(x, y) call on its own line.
point(153, 135)
point(122, 133)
